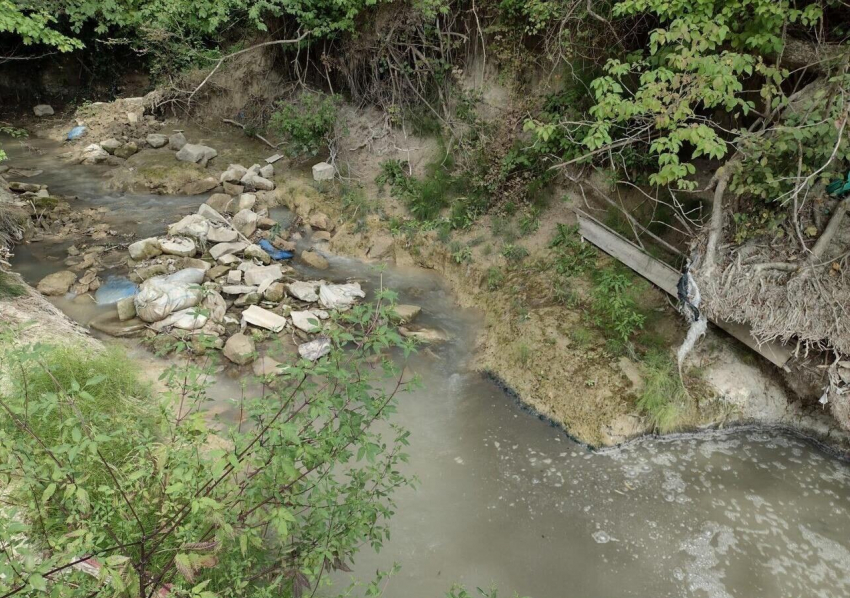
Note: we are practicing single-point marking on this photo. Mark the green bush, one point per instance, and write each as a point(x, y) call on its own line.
point(309, 123)
point(663, 396)
point(614, 305)
point(572, 255)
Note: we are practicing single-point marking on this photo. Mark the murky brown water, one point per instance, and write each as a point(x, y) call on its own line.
point(506, 498)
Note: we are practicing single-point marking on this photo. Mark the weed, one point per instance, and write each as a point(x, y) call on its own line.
point(581, 336)
point(530, 221)
point(523, 354)
point(8, 286)
point(565, 294)
point(495, 278)
point(614, 305)
point(663, 396)
point(461, 254)
point(572, 255)
point(308, 122)
point(514, 252)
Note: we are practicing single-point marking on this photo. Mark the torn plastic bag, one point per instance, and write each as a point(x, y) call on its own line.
point(339, 296)
point(76, 133)
point(161, 296)
point(276, 254)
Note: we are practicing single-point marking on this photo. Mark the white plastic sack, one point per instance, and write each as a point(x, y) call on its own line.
point(160, 296)
point(190, 318)
point(339, 296)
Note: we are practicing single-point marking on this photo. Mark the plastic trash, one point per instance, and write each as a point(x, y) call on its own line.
point(161, 296)
point(339, 296)
point(114, 290)
point(276, 254)
point(76, 133)
point(839, 188)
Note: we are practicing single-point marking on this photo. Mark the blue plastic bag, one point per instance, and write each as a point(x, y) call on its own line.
point(76, 133)
point(277, 254)
point(114, 289)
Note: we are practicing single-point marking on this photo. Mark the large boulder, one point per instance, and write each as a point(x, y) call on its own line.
point(111, 144)
point(178, 246)
point(145, 249)
point(57, 283)
point(255, 181)
point(196, 154)
point(311, 258)
point(240, 349)
point(156, 140)
point(43, 110)
point(193, 225)
point(126, 150)
point(267, 171)
point(233, 174)
point(200, 186)
point(94, 154)
point(323, 172)
point(221, 203)
point(176, 141)
point(245, 221)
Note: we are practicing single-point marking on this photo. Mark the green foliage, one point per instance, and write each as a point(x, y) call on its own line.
point(495, 278)
point(614, 305)
point(309, 123)
point(34, 25)
point(572, 255)
point(514, 252)
point(12, 132)
point(663, 397)
point(425, 198)
point(270, 505)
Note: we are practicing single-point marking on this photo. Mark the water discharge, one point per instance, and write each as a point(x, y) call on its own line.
point(505, 498)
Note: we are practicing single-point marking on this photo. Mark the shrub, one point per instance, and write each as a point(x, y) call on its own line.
point(614, 304)
point(663, 395)
point(309, 123)
point(514, 252)
point(572, 255)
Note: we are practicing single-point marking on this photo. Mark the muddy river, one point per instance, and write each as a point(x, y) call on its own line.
point(504, 498)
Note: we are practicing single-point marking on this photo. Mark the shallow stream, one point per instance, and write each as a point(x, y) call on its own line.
point(504, 498)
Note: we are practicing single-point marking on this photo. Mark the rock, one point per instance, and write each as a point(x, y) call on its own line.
point(281, 243)
point(424, 335)
point(321, 236)
point(193, 262)
point(108, 323)
point(274, 292)
point(266, 223)
point(200, 186)
point(381, 246)
point(315, 349)
point(233, 174)
point(176, 141)
point(43, 110)
point(156, 140)
point(245, 221)
point(263, 318)
point(238, 289)
point(126, 309)
point(197, 154)
point(240, 349)
point(151, 271)
point(24, 187)
point(256, 252)
point(228, 260)
point(255, 181)
point(323, 172)
point(311, 258)
point(221, 203)
point(193, 225)
point(304, 291)
point(126, 150)
point(246, 202)
point(248, 299)
point(133, 117)
point(221, 235)
point(57, 283)
point(258, 275)
point(321, 221)
point(234, 277)
point(217, 271)
point(179, 246)
point(306, 321)
point(340, 296)
point(145, 249)
point(233, 189)
point(94, 154)
point(405, 313)
point(267, 171)
point(266, 366)
point(111, 144)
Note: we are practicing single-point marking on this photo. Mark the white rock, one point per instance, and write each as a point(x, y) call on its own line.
point(405, 313)
point(255, 181)
point(306, 321)
point(305, 291)
point(323, 172)
point(315, 349)
point(246, 202)
point(193, 225)
point(111, 144)
point(240, 349)
point(228, 259)
point(234, 277)
point(57, 283)
point(258, 253)
point(220, 234)
point(233, 174)
point(340, 296)
point(425, 335)
point(145, 249)
point(221, 249)
point(211, 214)
point(196, 153)
point(238, 289)
point(179, 246)
point(43, 110)
point(245, 221)
point(156, 140)
point(267, 171)
point(94, 154)
point(263, 318)
point(263, 275)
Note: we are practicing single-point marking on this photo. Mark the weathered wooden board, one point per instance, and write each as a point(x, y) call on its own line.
point(666, 278)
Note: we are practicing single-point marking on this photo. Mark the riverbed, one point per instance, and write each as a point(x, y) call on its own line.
point(505, 498)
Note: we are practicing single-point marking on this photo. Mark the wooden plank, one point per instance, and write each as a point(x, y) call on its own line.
point(666, 278)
